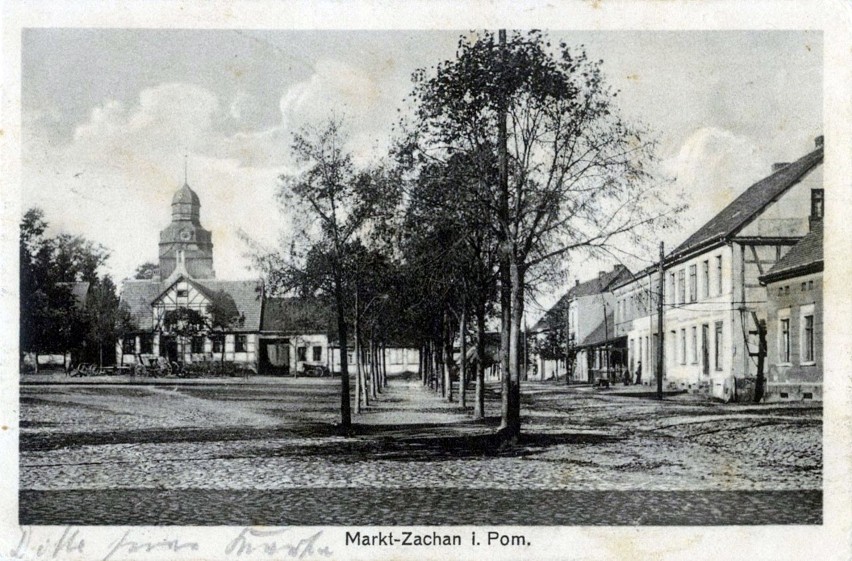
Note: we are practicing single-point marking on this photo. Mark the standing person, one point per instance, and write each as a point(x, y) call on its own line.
point(639, 373)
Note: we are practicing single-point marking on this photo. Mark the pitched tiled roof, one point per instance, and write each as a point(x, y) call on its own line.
point(297, 316)
point(754, 199)
point(138, 295)
point(804, 257)
point(247, 295)
point(602, 333)
point(555, 316)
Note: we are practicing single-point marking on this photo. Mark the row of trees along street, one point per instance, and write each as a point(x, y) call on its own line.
point(514, 159)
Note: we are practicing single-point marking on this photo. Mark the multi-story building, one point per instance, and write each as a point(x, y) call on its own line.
point(585, 322)
point(268, 335)
point(794, 364)
point(713, 296)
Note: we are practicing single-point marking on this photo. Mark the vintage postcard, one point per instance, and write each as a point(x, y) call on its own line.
point(425, 281)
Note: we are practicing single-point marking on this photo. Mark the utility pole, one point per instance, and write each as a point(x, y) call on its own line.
point(660, 346)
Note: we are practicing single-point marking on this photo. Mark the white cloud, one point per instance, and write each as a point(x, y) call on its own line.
point(113, 181)
point(361, 96)
point(712, 167)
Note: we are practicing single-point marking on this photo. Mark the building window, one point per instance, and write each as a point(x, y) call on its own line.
point(804, 286)
point(674, 347)
point(302, 354)
point(810, 285)
point(182, 293)
point(785, 340)
point(718, 275)
point(672, 288)
point(681, 287)
point(317, 354)
point(717, 351)
point(146, 343)
point(128, 345)
point(240, 344)
point(694, 345)
point(197, 345)
point(683, 346)
point(817, 203)
point(808, 338)
point(693, 283)
point(705, 279)
point(218, 343)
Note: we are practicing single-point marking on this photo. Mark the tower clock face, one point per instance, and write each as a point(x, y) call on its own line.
point(185, 235)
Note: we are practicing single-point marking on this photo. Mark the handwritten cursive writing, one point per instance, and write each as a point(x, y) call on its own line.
point(29, 548)
point(124, 544)
point(266, 542)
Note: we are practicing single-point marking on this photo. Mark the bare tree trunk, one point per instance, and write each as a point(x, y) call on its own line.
point(511, 424)
point(479, 404)
point(439, 363)
point(385, 365)
point(364, 389)
point(345, 405)
point(463, 358)
point(359, 390)
point(421, 364)
point(448, 357)
point(374, 371)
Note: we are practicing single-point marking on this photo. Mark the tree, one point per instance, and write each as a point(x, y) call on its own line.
point(147, 271)
point(51, 319)
point(184, 323)
point(340, 201)
point(105, 316)
point(572, 174)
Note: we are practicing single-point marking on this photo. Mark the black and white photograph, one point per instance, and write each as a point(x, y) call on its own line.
point(429, 292)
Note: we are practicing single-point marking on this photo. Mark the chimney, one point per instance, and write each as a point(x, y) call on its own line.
point(779, 165)
point(818, 141)
point(601, 274)
point(576, 282)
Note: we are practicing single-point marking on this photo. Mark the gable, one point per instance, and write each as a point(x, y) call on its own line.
point(752, 202)
point(787, 216)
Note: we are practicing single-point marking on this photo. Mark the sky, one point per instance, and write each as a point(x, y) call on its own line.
point(109, 114)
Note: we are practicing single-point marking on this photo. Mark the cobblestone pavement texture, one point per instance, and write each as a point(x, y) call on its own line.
point(263, 451)
point(277, 434)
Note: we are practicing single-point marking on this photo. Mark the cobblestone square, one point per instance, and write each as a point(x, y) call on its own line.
point(86, 447)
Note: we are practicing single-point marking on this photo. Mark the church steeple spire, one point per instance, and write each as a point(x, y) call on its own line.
point(184, 244)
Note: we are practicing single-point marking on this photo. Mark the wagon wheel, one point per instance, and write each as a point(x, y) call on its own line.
point(140, 370)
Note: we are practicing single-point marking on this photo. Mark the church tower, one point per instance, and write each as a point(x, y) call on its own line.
point(186, 235)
